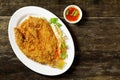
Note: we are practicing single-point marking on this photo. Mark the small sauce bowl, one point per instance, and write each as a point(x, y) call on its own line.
point(72, 14)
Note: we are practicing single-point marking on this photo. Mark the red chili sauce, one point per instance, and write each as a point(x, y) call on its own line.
point(72, 14)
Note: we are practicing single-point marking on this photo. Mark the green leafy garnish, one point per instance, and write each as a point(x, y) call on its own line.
point(63, 55)
point(55, 21)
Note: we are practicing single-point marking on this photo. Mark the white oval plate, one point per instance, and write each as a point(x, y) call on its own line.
point(19, 16)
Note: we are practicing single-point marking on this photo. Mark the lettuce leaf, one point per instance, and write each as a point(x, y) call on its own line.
point(55, 21)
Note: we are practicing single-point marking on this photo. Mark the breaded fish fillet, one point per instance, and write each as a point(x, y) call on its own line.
point(36, 39)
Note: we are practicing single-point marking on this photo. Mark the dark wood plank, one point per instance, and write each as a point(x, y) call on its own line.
point(97, 34)
point(97, 52)
point(92, 8)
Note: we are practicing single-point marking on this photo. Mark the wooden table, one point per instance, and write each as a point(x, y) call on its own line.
point(96, 38)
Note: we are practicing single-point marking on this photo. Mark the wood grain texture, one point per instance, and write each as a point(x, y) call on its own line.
point(91, 8)
point(96, 38)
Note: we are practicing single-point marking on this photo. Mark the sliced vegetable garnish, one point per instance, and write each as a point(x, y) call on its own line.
point(67, 11)
point(58, 24)
point(63, 45)
point(64, 55)
point(74, 13)
point(61, 51)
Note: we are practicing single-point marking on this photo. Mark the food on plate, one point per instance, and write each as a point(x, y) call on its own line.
point(42, 41)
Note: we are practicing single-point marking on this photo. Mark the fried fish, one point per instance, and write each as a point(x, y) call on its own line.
point(36, 40)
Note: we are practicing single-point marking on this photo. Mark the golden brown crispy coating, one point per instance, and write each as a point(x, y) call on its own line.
point(37, 40)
